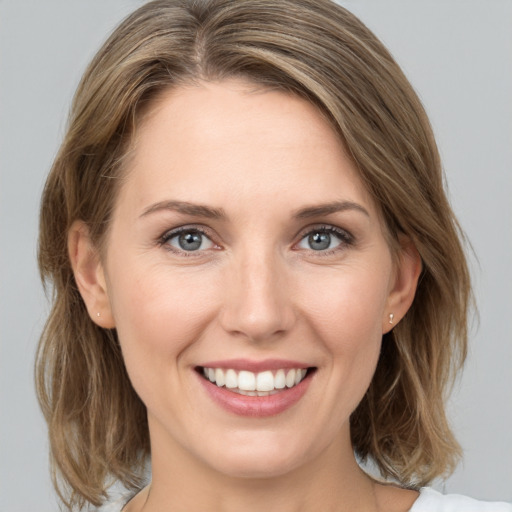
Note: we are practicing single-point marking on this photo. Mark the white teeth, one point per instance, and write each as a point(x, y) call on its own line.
point(265, 381)
point(290, 379)
point(247, 381)
point(231, 379)
point(255, 384)
point(247, 393)
point(280, 379)
point(219, 377)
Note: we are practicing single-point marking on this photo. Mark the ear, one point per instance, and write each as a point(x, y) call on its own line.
point(403, 287)
point(89, 275)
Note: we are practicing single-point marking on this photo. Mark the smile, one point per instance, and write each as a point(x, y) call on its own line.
point(255, 389)
point(249, 383)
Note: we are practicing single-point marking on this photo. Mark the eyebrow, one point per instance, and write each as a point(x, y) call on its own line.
point(199, 210)
point(196, 210)
point(329, 208)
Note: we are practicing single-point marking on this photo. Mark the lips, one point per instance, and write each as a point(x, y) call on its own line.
point(255, 389)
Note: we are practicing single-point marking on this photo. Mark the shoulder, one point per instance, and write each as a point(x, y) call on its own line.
point(114, 505)
point(117, 499)
point(120, 500)
point(111, 506)
point(430, 500)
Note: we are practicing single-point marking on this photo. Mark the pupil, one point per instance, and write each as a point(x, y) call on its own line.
point(190, 241)
point(319, 241)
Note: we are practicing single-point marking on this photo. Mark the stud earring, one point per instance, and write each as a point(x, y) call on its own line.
point(391, 316)
point(98, 314)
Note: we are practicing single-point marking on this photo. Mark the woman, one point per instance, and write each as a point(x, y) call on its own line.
point(257, 275)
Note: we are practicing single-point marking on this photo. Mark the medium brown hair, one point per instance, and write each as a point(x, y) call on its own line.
point(321, 52)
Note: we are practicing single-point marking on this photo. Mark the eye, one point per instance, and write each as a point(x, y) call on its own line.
point(325, 238)
point(187, 240)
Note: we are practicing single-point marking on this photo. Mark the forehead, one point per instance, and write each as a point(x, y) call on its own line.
point(209, 141)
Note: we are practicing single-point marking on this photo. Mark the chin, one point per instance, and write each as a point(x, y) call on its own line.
point(256, 467)
point(257, 458)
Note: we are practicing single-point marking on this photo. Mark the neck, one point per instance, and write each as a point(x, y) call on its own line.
point(332, 481)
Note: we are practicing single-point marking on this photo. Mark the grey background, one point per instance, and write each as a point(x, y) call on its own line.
point(458, 55)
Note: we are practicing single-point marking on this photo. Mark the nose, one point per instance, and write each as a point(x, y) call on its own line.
point(258, 302)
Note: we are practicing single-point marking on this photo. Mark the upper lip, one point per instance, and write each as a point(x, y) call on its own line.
point(255, 366)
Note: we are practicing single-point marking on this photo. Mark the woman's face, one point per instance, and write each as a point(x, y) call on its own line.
point(243, 240)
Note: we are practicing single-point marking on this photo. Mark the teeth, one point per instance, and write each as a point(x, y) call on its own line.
point(280, 379)
point(255, 384)
point(290, 379)
point(219, 377)
point(265, 381)
point(299, 375)
point(247, 381)
point(231, 379)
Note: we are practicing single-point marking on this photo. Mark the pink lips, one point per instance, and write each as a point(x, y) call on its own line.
point(255, 406)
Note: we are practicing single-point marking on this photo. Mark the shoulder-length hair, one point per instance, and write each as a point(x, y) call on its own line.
point(319, 51)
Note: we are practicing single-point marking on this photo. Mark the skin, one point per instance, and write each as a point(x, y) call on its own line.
point(256, 289)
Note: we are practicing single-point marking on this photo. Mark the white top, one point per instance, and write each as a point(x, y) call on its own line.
point(428, 501)
point(433, 501)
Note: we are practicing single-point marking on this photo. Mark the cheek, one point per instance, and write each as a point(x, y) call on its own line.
point(346, 319)
point(158, 314)
point(347, 307)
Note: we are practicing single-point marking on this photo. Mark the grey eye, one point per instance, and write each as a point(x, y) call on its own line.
point(189, 241)
point(320, 240)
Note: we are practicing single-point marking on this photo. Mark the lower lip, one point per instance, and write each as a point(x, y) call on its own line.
point(256, 406)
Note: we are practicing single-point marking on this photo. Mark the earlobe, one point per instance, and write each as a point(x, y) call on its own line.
point(89, 275)
point(403, 290)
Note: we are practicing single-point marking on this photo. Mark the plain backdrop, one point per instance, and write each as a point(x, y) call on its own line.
point(458, 55)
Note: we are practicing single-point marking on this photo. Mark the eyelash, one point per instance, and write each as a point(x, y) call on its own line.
point(346, 239)
point(168, 235)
